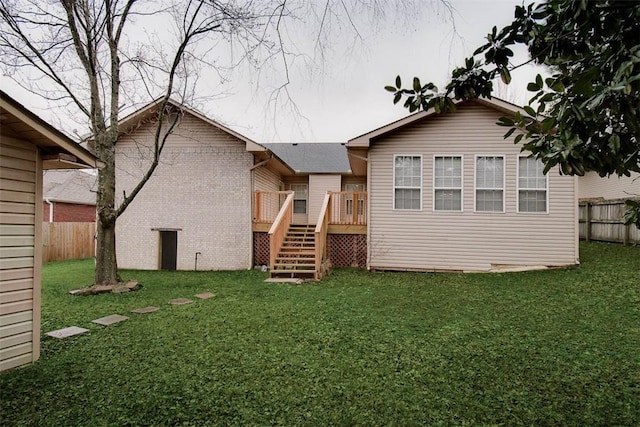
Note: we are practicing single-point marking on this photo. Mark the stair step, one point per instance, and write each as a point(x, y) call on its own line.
point(292, 272)
point(295, 267)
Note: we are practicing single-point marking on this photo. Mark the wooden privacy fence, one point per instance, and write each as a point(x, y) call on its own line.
point(67, 240)
point(604, 221)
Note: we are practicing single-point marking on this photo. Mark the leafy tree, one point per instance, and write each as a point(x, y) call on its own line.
point(586, 116)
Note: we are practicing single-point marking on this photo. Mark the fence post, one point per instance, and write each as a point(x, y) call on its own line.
point(627, 232)
point(587, 219)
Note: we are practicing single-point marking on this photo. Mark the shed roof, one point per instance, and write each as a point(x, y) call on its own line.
point(317, 157)
point(59, 151)
point(70, 186)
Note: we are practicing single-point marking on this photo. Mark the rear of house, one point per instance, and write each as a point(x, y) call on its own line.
point(448, 192)
point(195, 211)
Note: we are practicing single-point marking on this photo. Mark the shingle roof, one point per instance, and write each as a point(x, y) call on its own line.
point(72, 186)
point(325, 157)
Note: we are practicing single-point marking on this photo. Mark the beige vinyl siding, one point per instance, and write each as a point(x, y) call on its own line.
point(318, 187)
point(266, 180)
point(592, 185)
point(353, 180)
point(467, 240)
point(20, 193)
point(202, 188)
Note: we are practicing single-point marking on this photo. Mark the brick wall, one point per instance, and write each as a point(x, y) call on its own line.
point(201, 188)
point(69, 212)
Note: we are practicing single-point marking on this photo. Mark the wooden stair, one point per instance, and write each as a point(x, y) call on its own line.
point(297, 256)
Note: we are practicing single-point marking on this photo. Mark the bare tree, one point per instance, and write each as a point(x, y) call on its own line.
point(92, 57)
point(88, 50)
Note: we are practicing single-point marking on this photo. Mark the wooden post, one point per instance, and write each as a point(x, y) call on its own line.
point(587, 219)
point(257, 206)
point(355, 207)
point(627, 231)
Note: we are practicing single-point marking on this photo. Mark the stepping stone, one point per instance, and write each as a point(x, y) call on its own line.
point(206, 295)
point(110, 320)
point(67, 332)
point(145, 310)
point(180, 301)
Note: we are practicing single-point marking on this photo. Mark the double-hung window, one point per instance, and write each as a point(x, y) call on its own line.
point(407, 182)
point(447, 183)
point(299, 198)
point(532, 186)
point(489, 183)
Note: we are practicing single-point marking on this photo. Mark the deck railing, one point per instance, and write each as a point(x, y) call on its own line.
point(321, 234)
point(348, 207)
point(279, 229)
point(267, 204)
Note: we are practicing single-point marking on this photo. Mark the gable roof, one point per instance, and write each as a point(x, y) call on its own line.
point(365, 140)
point(151, 109)
point(59, 151)
point(69, 186)
point(326, 157)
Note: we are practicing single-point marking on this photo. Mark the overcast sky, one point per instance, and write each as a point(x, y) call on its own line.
point(341, 95)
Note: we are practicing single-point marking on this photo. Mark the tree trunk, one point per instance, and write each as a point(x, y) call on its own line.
point(106, 264)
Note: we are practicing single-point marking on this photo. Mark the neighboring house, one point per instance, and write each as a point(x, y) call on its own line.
point(28, 145)
point(69, 196)
point(448, 192)
point(594, 187)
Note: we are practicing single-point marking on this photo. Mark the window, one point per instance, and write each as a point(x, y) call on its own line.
point(447, 183)
point(407, 182)
point(299, 198)
point(489, 184)
point(532, 185)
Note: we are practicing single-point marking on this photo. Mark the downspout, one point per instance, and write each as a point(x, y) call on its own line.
point(47, 201)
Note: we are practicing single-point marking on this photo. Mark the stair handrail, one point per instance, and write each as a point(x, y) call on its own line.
point(321, 234)
point(279, 229)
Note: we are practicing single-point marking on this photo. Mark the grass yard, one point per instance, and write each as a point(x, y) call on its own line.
point(538, 348)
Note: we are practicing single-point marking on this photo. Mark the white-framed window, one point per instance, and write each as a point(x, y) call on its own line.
point(489, 171)
point(447, 183)
point(533, 186)
point(407, 182)
point(299, 198)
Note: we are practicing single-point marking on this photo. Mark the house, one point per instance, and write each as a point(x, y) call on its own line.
point(28, 145)
point(195, 212)
point(448, 192)
point(69, 196)
point(594, 187)
point(429, 192)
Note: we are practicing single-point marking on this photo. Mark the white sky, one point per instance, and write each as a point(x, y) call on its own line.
point(343, 96)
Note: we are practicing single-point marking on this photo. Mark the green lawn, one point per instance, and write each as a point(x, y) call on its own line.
point(555, 347)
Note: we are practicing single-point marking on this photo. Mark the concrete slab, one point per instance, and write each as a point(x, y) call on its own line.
point(67, 332)
point(180, 301)
point(110, 320)
point(205, 295)
point(145, 310)
point(295, 281)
